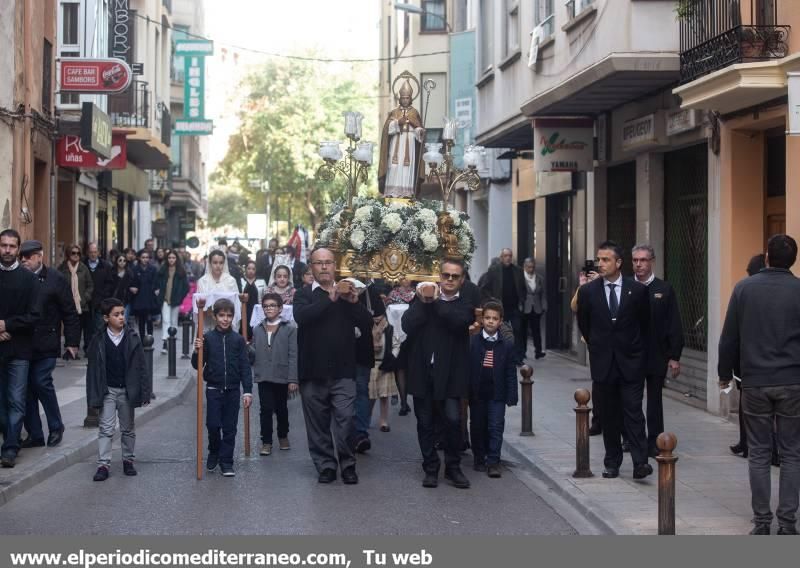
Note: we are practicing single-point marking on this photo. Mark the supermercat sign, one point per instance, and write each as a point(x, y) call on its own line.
point(563, 145)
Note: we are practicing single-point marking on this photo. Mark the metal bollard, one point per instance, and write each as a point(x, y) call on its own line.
point(185, 343)
point(666, 443)
point(527, 400)
point(582, 469)
point(147, 341)
point(172, 353)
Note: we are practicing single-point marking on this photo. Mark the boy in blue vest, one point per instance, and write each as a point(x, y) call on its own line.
point(226, 368)
point(117, 382)
point(493, 385)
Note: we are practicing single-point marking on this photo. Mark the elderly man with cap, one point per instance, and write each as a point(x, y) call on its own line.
point(56, 306)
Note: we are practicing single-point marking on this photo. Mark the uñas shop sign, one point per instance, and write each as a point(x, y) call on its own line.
point(563, 145)
point(79, 75)
point(70, 153)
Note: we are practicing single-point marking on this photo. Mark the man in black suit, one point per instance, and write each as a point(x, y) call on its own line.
point(505, 282)
point(666, 339)
point(437, 323)
point(614, 319)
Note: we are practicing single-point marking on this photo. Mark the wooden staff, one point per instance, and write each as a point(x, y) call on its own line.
point(243, 298)
point(201, 306)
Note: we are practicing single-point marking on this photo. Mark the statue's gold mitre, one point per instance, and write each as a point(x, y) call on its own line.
point(406, 90)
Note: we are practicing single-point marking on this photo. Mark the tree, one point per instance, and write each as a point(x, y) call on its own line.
point(226, 207)
point(290, 107)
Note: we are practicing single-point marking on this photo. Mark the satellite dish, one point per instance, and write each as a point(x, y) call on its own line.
point(192, 242)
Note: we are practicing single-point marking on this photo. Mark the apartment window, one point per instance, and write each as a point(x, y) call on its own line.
point(766, 12)
point(486, 36)
point(47, 76)
point(176, 149)
point(69, 41)
point(575, 7)
point(544, 17)
point(512, 27)
point(434, 17)
point(461, 19)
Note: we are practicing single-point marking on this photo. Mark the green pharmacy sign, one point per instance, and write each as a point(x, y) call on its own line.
point(194, 122)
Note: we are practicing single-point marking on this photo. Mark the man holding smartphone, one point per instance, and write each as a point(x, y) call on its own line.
point(437, 324)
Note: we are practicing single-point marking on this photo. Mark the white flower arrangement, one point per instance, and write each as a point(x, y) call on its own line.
point(410, 227)
point(393, 222)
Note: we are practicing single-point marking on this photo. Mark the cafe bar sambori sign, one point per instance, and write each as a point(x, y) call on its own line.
point(194, 53)
point(563, 145)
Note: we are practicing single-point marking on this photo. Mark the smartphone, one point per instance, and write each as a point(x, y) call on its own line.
point(588, 267)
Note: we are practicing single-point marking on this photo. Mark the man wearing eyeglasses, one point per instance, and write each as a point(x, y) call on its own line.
point(666, 339)
point(327, 314)
point(56, 307)
point(437, 323)
point(19, 312)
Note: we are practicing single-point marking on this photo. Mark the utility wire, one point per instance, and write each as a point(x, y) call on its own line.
point(295, 57)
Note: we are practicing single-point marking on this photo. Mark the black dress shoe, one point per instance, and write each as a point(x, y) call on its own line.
point(128, 468)
point(28, 443)
point(611, 472)
point(431, 480)
point(494, 471)
point(55, 438)
point(362, 445)
point(8, 462)
point(349, 475)
point(595, 431)
point(101, 474)
point(327, 476)
point(642, 470)
point(739, 450)
point(790, 530)
point(760, 529)
point(457, 478)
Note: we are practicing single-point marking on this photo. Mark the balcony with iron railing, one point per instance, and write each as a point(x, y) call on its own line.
point(714, 34)
point(131, 109)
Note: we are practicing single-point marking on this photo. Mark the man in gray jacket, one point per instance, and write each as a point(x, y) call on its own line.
point(760, 342)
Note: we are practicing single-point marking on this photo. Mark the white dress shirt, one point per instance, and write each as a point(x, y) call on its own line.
point(116, 339)
point(617, 290)
point(489, 337)
point(649, 279)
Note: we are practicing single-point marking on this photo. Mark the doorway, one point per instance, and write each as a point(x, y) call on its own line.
point(621, 212)
point(774, 183)
point(525, 230)
point(83, 225)
point(558, 267)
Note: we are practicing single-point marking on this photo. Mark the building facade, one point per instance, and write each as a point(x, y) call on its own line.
point(27, 125)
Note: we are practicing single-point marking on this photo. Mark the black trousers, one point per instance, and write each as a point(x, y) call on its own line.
point(621, 409)
point(272, 399)
point(532, 323)
point(655, 409)
point(448, 413)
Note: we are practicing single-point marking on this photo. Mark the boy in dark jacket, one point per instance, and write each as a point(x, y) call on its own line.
point(116, 383)
point(225, 367)
point(493, 385)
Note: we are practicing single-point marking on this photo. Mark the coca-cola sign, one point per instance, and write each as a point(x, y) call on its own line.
point(70, 153)
point(94, 75)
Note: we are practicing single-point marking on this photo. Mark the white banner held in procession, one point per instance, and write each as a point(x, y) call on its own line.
point(211, 298)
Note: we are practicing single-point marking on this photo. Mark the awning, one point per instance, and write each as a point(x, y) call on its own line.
point(147, 151)
point(131, 181)
point(516, 134)
point(617, 79)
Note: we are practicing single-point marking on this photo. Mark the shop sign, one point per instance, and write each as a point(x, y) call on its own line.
point(121, 30)
point(70, 153)
point(563, 145)
point(194, 121)
point(679, 121)
point(94, 75)
point(464, 112)
point(188, 223)
point(95, 130)
point(642, 131)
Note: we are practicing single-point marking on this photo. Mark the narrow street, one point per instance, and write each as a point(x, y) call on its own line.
point(278, 494)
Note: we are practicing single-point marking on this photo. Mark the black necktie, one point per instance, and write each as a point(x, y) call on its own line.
point(613, 304)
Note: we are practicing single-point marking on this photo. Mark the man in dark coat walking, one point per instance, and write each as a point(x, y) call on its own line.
point(56, 307)
point(614, 320)
point(505, 282)
point(327, 315)
point(666, 339)
point(437, 323)
point(103, 279)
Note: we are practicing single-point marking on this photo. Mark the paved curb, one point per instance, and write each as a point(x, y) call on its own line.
point(602, 520)
point(86, 445)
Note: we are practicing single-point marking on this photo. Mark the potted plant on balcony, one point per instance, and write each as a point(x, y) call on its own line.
point(686, 8)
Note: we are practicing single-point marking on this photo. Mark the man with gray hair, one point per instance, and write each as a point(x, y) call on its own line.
point(666, 339)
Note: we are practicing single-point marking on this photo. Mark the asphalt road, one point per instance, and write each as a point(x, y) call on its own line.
point(278, 494)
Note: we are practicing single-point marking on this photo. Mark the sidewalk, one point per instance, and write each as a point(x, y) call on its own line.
point(34, 465)
point(712, 487)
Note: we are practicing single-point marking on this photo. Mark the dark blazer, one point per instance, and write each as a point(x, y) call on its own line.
point(56, 306)
point(326, 335)
point(492, 285)
point(440, 330)
point(19, 308)
point(666, 331)
point(103, 280)
point(180, 287)
point(138, 382)
point(122, 286)
point(624, 340)
point(146, 281)
point(504, 371)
